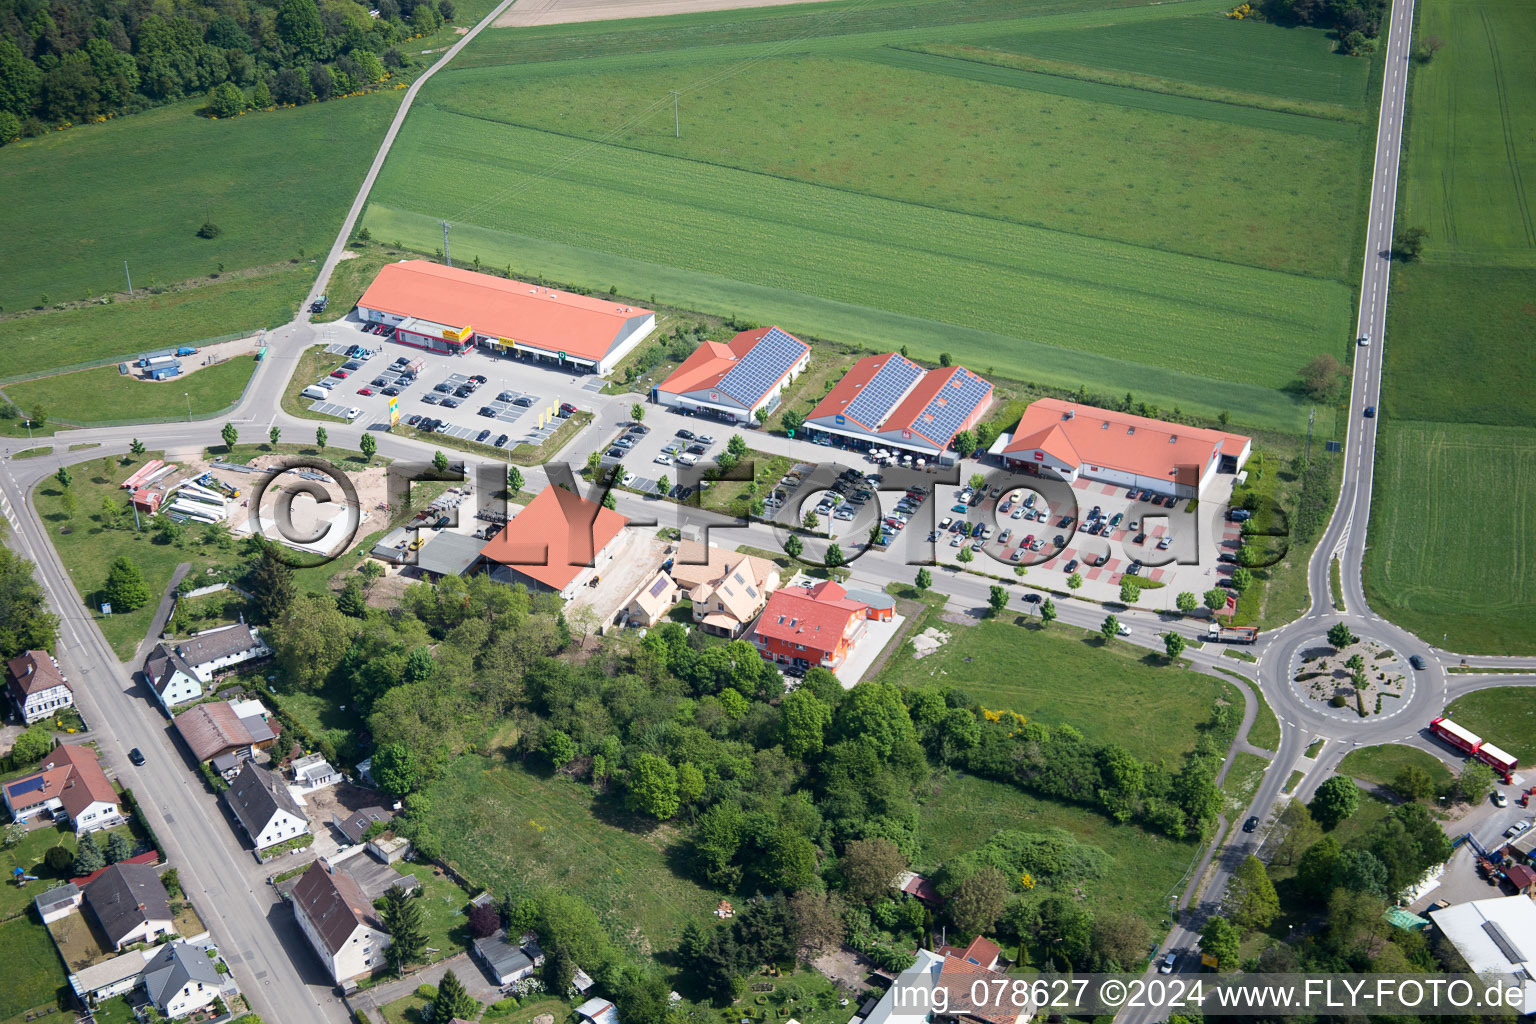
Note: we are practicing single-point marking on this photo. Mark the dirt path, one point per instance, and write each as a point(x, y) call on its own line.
point(560, 12)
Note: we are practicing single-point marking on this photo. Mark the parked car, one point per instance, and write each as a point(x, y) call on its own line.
point(413, 419)
point(526, 401)
point(450, 403)
point(505, 396)
point(616, 453)
point(353, 413)
point(365, 391)
point(961, 509)
point(663, 459)
point(686, 435)
point(488, 412)
point(1071, 566)
point(482, 436)
point(1518, 828)
point(391, 391)
point(568, 408)
point(705, 440)
point(624, 442)
point(501, 441)
point(340, 374)
point(1499, 799)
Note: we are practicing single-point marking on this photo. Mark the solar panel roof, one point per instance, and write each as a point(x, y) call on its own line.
point(941, 418)
point(762, 367)
point(658, 586)
point(877, 398)
point(31, 785)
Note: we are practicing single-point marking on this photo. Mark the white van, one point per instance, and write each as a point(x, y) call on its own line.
point(687, 460)
point(313, 391)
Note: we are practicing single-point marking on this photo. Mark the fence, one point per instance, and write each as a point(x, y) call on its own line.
point(91, 364)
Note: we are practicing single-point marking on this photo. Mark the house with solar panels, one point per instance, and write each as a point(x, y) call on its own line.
point(733, 381)
point(888, 401)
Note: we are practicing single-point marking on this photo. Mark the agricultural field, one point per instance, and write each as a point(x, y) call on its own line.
point(1113, 234)
point(1381, 765)
point(1503, 715)
point(1152, 710)
point(1461, 328)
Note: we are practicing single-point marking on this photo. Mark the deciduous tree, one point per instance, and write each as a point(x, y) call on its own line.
point(1335, 800)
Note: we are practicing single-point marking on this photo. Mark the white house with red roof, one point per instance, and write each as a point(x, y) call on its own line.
point(37, 687)
point(69, 783)
point(890, 401)
point(448, 309)
point(559, 542)
point(732, 381)
point(811, 627)
point(1072, 441)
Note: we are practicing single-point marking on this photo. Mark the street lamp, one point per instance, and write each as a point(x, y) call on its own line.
point(188, 396)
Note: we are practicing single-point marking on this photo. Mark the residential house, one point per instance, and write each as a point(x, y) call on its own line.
point(170, 678)
point(178, 671)
point(597, 1011)
point(981, 951)
point(60, 901)
point(920, 888)
point(212, 729)
point(265, 809)
point(258, 721)
point(559, 542)
point(37, 687)
point(109, 978)
point(312, 771)
point(810, 627)
point(339, 923)
point(502, 961)
point(651, 601)
point(68, 784)
point(726, 589)
point(181, 979)
point(129, 904)
point(354, 827)
point(949, 990)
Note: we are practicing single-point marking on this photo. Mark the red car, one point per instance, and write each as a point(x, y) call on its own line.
point(339, 374)
point(365, 391)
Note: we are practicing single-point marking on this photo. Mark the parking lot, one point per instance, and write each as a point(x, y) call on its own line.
point(476, 396)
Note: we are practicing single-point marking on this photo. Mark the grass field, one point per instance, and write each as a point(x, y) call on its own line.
point(1265, 731)
point(499, 823)
point(1111, 235)
point(1242, 782)
point(1456, 442)
point(1503, 715)
point(1382, 764)
point(1114, 694)
point(961, 813)
point(34, 977)
point(103, 395)
point(254, 176)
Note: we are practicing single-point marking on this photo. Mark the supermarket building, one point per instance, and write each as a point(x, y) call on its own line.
point(446, 309)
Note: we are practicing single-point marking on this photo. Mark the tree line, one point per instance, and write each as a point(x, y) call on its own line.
point(69, 61)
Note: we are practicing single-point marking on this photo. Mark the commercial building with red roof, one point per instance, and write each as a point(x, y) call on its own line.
point(559, 542)
point(732, 381)
point(888, 401)
point(810, 627)
point(447, 309)
point(69, 783)
point(1069, 441)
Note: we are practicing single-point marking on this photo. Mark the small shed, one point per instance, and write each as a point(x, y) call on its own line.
point(313, 771)
point(503, 962)
point(597, 1011)
point(60, 901)
point(1522, 877)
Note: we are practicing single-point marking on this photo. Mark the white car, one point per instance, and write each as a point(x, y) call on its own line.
point(1018, 513)
point(1166, 967)
point(1163, 544)
point(353, 413)
point(945, 523)
point(663, 459)
point(1500, 800)
point(1122, 629)
point(629, 478)
point(1516, 829)
point(1365, 339)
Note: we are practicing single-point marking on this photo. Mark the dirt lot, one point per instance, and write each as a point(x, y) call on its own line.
point(560, 12)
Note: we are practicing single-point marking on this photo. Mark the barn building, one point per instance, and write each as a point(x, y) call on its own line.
point(1071, 441)
point(733, 381)
point(888, 401)
point(446, 309)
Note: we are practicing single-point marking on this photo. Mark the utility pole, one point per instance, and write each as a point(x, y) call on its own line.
point(677, 126)
point(1311, 415)
point(129, 277)
point(446, 254)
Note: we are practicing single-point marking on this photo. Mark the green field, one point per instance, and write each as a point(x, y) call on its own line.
point(1457, 434)
point(1382, 764)
point(1503, 715)
point(103, 396)
point(1115, 694)
point(963, 812)
point(501, 823)
point(34, 976)
point(833, 179)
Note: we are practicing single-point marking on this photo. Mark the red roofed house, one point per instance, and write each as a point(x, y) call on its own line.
point(36, 685)
point(922, 889)
point(1069, 441)
point(890, 401)
point(559, 542)
point(734, 380)
point(810, 627)
point(968, 1001)
point(447, 309)
point(982, 952)
point(69, 783)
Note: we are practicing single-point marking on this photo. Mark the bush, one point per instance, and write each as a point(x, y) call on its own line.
point(427, 992)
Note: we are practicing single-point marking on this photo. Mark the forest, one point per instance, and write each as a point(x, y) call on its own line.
point(70, 62)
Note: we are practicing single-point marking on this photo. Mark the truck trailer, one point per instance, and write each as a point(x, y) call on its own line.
point(1232, 634)
point(1470, 743)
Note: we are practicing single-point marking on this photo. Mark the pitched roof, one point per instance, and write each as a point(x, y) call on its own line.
point(554, 537)
point(33, 671)
point(982, 951)
point(503, 957)
point(816, 618)
point(124, 896)
point(958, 978)
point(540, 317)
point(697, 563)
point(205, 648)
point(657, 594)
point(175, 965)
point(938, 406)
point(256, 795)
point(334, 905)
point(889, 394)
point(738, 588)
point(56, 897)
point(870, 391)
point(162, 665)
point(752, 364)
point(1084, 435)
point(355, 825)
point(212, 729)
point(85, 782)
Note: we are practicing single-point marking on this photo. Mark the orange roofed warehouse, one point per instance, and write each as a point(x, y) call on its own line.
point(445, 309)
point(560, 542)
point(1069, 441)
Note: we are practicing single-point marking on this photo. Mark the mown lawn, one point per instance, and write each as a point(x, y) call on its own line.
point(961, 813)
point(1382, 764)
point(500, 822)
point(103, 396)
point(34, 977)
point(1504, 716)
point(442, 910)
point(1112, 694)
point(511, 1011)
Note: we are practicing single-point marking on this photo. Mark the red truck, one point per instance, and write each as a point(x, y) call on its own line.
point(1469, 742)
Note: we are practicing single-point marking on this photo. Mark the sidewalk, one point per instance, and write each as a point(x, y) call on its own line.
point(162, 613)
